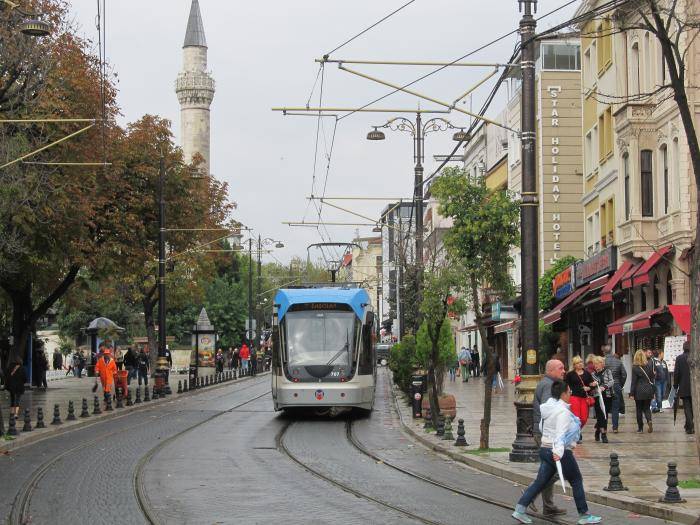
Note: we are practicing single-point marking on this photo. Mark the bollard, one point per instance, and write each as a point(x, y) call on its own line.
point(168, 390)
point(672, 495)
point(448, 435)
point(138, 395)
point(615, 482)
point(146, 394)
point(440, 431)
point(179, 387)
point(71, 412)
point(184, 385)
point(234, 375)
point(211, 379)
point(40, 418)
point(27, 421)
point(206, 381)
point(96, 406)
point(129, 402)
point(428, 425)
point(84, 412)
point(120, 400)
point(56, 416)
point(12, 426)
point(154, 394)
point(461, 441)
point(108, 403)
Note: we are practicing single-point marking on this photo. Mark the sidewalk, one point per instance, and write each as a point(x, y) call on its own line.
point(643, 457)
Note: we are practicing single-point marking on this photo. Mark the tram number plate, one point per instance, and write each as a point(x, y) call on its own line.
point(335, 373)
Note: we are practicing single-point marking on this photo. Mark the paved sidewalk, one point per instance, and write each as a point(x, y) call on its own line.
point(643, 457)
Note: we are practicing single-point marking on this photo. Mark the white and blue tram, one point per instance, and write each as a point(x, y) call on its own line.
point(323, 352)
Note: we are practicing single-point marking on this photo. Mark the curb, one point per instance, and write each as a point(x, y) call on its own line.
point(626, 503)
point(39, 435)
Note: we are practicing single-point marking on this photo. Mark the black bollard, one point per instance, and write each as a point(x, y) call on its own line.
point(440, 431)
point(108, 403)
point(206, 381)
point(12, 426)
point(672, 495)
point(179, 387)
point(56, 416)
point(461, 441)
point(234, 374)
point(146, 394)
point(211, 379)
point(27, 421)
point(71, 412)
point(40, 418)
point(184, 385)
point(84, 412)
point(615, 483)
point(138, 395)
point(448, 435)
point(96, 406)
point(120, 398)
point(168, 390)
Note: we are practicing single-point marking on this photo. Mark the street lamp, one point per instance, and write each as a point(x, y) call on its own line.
point(32, 26)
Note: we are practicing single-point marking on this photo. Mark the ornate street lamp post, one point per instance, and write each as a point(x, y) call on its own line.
point(32, 25)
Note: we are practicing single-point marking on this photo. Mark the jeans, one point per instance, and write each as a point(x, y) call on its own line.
point(244, 364)
point(660, 387)
point(548, 470)
point(464, 371)
point(547, 491)
point(131, 374)
point(143, 374)
point(643, 406)
point(618, 404)
point(453, 373)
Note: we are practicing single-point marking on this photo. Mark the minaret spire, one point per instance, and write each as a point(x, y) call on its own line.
point(195, 91)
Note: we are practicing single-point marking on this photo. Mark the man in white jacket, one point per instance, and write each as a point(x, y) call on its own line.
point(560, 429)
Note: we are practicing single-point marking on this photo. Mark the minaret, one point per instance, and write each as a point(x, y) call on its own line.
point(195, 91)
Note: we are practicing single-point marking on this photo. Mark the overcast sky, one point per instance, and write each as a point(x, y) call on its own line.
point(261, 55)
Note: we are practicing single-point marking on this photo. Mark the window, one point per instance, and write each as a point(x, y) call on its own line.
point(676, 171)
point(644, 298)
point(588, 153)
point(561, 56)
point(591, 234)
point(587, 70)
point(634, 83)
point(605, 135)
point(604, 45)
point(648, 73)
point(664, 169)
point(655, 291)
point(596, 229)
point(626, 172)
point(647, 183)
point(669, 288)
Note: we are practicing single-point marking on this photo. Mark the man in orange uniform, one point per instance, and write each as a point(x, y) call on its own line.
point(106, 368)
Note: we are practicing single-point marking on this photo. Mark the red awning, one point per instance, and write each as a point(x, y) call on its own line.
point(555, 314)
point(634, 322)
point(681, 314)
point(641, 276)
point(606, 294)
point(627, 278)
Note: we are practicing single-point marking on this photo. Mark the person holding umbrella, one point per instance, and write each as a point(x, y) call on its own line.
point(603, 395)
point(681, 381)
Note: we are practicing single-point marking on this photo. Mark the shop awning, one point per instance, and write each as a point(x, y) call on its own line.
point(606, 294)
point(681, 314)
point(627, 278)
point(641, 276)
point(504, 327)
point(555, 314)
point(634, 322)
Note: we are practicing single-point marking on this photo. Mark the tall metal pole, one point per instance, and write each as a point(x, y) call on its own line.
point(250, 293)
point(161, 259)
point(258, 317)
point(524, 447)
point(418, 198)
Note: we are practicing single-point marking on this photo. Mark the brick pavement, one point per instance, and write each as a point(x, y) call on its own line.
point(643, 457)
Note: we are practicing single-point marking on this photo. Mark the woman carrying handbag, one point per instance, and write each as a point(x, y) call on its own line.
point(581, 383)
point(642, 389)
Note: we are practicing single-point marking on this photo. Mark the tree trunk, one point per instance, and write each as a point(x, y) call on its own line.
point(432, 380)
point(486, 361)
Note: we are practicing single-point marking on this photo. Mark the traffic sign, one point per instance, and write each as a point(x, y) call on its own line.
point(250, 334)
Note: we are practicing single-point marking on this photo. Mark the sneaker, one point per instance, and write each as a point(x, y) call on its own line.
point(588, 518)
point(604, 438)
point(524, 518)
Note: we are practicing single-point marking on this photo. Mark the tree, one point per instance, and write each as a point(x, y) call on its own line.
point(486, 227)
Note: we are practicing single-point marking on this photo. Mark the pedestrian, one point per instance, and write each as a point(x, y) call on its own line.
point(452, 367)
point(642, 389)
point(605, 392)
point(143, 367)
point(465, 359)
point(580, 382)
point(554, 371)
point(15, 378)
point(106, 369)
point(245, 357)
point(131, 364)
point(590, 367)
point(661, 379)
point(40, 365)
point(119, 357)
point(560, 429)
point(169, 359)
point(219, 361)
point(231, 358)
point(57, 359)
point(81, 363)
point(475, 362)
point(497, 379)
point(614, 364)
point(651, 360)
point(253, 360)
point(69, 365)
point(681, 381)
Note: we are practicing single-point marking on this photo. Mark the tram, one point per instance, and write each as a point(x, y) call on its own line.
point(323, 349)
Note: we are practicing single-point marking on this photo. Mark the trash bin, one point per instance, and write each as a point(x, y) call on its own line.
point(419, 383)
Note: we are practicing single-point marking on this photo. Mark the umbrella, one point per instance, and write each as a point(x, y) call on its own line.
point(673, 398)
point(602, 404)
point(561, 476)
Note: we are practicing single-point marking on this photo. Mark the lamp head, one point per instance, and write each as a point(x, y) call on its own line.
point(376, 135)
point(461, 136)
point(35, 28)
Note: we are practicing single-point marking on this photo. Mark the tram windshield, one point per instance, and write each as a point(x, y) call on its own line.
point(320, 338)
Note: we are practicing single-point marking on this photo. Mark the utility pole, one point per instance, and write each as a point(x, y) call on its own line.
point(258, 317)
point(161, 364)
point(250, 294)
point(524, 447)
point(418, 200)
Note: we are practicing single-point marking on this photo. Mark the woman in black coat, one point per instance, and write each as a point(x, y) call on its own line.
point(14, 384)
point(642, 389)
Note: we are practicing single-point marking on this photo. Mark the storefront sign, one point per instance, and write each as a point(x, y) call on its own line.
point(563, 283)
point(673, 347)
point(600, 264)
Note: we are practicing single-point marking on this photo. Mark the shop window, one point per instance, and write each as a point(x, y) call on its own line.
point(644, 298)
point(664, 169)
point(655, 291)
point(626, 170)
point(647, 183)
point(669, 288)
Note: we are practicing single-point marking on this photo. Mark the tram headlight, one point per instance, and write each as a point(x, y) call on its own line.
point(417, 396)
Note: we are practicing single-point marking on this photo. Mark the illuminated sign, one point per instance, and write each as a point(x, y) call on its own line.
point(563, 283)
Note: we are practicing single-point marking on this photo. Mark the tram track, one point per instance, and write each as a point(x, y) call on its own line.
point(20, 511)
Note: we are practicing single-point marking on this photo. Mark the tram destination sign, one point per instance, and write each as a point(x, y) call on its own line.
point(600, 264)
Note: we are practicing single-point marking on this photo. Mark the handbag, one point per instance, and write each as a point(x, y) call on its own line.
point(589, 400)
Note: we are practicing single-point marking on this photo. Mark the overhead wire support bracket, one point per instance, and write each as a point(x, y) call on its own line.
point(303, 109)
point(414, 63)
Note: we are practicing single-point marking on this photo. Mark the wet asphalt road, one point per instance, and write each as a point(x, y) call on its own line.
point(224, 456)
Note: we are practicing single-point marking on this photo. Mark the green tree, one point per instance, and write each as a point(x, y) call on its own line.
point(402, 362)
point(546, 295)
point(486, 227)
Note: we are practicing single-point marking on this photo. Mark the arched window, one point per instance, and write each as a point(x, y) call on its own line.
point(626, 172)
point(647, 180)
point(634, 83)
point(676, 170)
point(655, 291)
point(669, 288)
point(648, 69)
point(663, 153)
